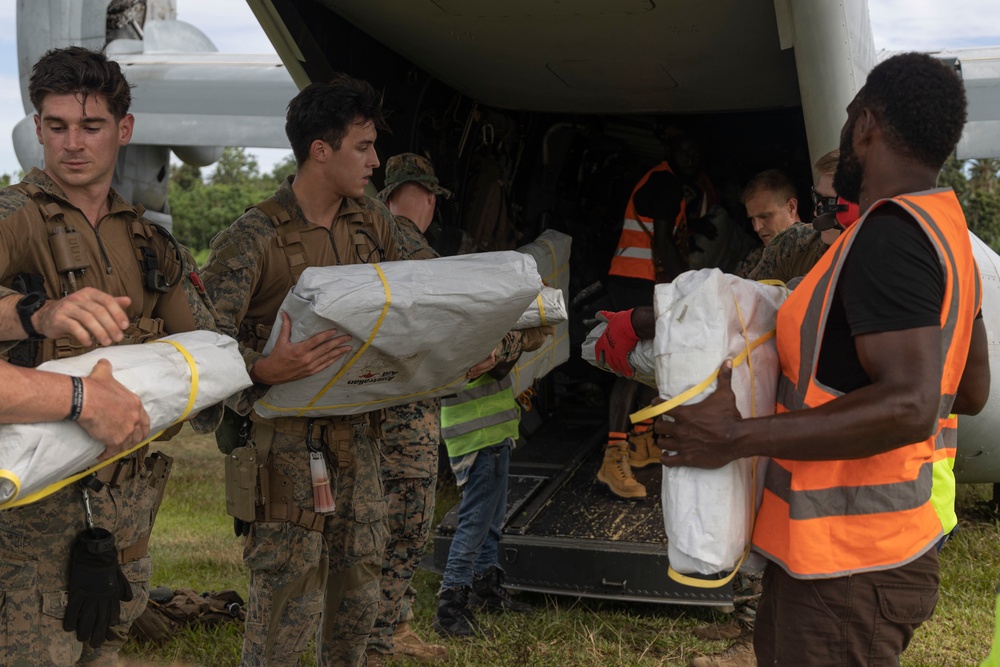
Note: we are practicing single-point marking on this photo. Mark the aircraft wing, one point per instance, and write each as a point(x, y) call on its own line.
point(209, 99)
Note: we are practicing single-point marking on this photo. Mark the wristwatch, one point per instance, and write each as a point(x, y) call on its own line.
point(27, 306)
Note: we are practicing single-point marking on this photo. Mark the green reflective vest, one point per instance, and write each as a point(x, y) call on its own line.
point(481, 415)
point(943, 478)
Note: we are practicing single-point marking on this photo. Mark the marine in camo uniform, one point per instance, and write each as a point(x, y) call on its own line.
point(82, 101)
point(790, 254)
point(310, 573)
point(410, 436)
point(772, 205)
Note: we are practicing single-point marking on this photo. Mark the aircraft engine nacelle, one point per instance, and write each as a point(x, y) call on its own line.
point(978, 458)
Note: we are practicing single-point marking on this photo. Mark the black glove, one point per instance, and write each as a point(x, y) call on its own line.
point(97, 587)
point(241, 527)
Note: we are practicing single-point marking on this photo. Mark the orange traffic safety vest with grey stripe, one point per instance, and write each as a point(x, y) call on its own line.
point(634, 256)
point(822, 519)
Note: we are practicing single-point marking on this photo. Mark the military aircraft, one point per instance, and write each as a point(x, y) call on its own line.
point(542, 114)
point(187, 97)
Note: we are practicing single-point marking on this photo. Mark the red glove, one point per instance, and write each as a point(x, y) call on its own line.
point(617, 341)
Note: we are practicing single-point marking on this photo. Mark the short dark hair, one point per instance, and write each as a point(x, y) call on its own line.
point(75, 69)
point(921, 102)
point(771, 180)
point(326, 110)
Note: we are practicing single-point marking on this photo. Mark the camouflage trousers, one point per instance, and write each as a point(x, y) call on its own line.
point(410, 509)
point(35, 543)
point(305, 582)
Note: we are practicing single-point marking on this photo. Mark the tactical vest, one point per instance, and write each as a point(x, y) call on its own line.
point(354, 242)
point(837, 517)
point(60, 271)
point(481, 415)
point(634, 257)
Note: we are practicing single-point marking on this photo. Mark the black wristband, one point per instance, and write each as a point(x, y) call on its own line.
point(77, 407)
point(28, 305)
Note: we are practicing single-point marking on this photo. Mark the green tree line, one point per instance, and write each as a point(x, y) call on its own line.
point(202, 207)
point(977, 184)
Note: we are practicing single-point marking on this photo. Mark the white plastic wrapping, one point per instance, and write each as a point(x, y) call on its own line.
point(703, 318)
point(33, 457)
point(417, 327)
point(551, 253)
point(548, 309)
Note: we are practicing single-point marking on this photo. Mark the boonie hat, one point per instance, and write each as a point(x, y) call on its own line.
point(410, 167)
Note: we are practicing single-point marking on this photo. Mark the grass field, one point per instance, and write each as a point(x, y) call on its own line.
point(193, 546)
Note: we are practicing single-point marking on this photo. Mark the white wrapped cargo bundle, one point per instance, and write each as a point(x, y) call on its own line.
point(551, 252)
point(548, 309)
point(175, 377)
point(703, 318)
point(417, 327)
point(640, 359)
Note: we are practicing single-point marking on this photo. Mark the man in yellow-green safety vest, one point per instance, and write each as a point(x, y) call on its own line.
point(479, 426)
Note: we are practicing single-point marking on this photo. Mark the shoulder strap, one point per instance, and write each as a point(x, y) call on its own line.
point(288, 238)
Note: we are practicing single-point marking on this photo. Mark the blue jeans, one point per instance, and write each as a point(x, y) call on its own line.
point(480, 517)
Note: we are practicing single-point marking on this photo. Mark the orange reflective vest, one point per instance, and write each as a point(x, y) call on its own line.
point(634, 256)
point(832, 518)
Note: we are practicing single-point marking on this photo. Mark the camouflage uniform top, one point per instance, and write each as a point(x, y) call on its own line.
point(790, 254)
point(417, 423)
point(411, 241)
point(749, 262)
point(24, 248)
point(114, 269)
point(248, 273)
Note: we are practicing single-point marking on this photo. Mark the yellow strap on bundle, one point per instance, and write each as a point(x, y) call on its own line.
point(15, 501)
point(541, 308)
point(357, 355)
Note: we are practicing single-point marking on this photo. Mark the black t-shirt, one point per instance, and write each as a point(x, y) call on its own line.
point(660, 197)
point(892, 280)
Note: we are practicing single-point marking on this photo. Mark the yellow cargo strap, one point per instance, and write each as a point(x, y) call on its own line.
point(15, 501)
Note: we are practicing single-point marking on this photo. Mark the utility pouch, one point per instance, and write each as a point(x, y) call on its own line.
point(67, 250)
point(158, 466)
point(232, 432)
point(241, 483)
point(340, 441)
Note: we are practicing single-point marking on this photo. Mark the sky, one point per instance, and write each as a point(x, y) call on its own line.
point(897, 25)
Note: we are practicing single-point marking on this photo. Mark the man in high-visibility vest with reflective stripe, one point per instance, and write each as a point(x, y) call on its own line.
point(653, 248)
point(878, 345)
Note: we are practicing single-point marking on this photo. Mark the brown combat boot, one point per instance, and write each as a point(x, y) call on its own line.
point(616, 473)
point(642, 445)
point(407, 642)
point(740, 654)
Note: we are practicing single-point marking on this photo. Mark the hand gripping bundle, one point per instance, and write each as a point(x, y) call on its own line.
point(175, 377)
point(417, 327)
point(703, 318)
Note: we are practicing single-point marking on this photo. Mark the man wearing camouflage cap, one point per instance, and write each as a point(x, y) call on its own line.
point(410, 437)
